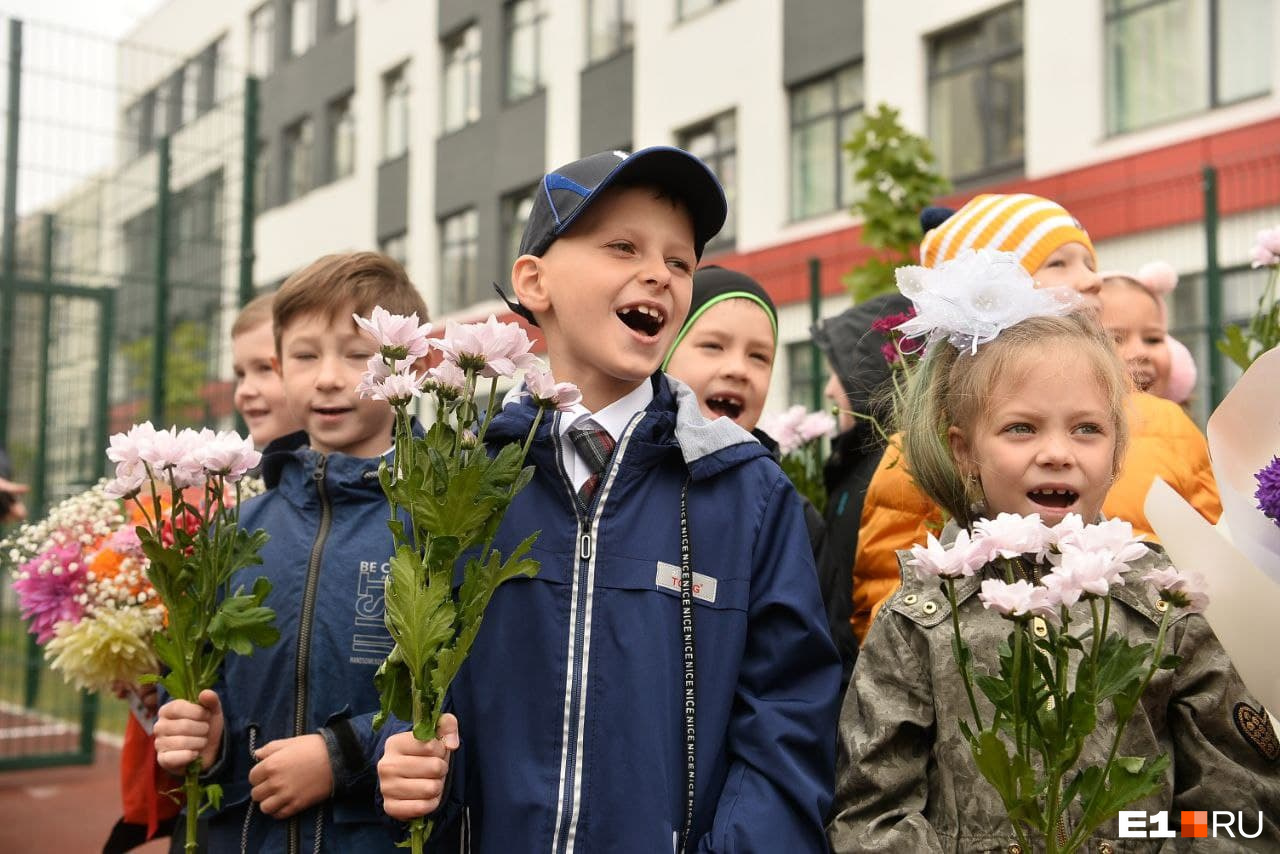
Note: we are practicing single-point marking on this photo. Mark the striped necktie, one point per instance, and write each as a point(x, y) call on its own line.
point(594, 444)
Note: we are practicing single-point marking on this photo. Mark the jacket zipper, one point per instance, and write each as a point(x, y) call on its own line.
point(587, 516)
point(304, 628)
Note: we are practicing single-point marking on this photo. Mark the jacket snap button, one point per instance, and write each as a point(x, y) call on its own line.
point(1014, 848)
point(910, 599)
point(930, 607)
point(1106, 848)
point(1162, 606)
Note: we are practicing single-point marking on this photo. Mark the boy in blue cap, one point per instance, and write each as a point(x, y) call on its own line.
point(666, 681)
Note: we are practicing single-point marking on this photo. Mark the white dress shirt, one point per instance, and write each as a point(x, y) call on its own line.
point(613, 418)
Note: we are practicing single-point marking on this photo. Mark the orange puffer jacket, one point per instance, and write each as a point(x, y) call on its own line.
point(896, 515)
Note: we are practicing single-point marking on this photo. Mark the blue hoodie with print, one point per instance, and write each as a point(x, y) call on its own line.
point(572, 705)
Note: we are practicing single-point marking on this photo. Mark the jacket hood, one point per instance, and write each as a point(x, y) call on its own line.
point(852, 348)
point(672, 422)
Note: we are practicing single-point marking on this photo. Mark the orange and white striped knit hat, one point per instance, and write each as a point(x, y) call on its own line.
point(1030, 227)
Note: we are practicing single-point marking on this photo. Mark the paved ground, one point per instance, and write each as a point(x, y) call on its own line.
point(69, 809)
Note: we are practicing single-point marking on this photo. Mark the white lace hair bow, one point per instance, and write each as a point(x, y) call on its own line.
point(972, 298)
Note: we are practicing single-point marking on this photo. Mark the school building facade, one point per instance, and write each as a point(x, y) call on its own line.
point(421, 127)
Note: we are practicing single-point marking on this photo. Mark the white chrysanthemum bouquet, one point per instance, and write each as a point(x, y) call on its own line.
point(1054, 671)
point(447, 495)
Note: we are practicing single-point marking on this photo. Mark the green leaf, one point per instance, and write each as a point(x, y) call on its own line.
point(392, 682)
point(1169, 662)
point(212, 797)
point(1121, 665)
point(241, 622)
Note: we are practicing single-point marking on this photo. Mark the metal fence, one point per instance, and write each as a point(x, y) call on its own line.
point(127, 248)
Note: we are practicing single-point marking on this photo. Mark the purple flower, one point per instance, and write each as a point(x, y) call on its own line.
point(549, 394)
point(398, 337)
point(228, 454)
point(48, 587)
point(963, 558)
point(1266, 252)
point(1010, 535)
point(1268, 493)
point(492, 349)
point(1184, 590)
point(1016, 600)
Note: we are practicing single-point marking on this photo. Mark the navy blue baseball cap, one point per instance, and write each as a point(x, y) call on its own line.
point(564, 193)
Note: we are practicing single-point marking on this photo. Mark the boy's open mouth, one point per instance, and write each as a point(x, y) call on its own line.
point(1058, 499)
point(646, 320)
point(728, 406)
point(331, 410)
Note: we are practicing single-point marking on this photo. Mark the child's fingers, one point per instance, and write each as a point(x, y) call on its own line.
point(182, 710)
point(268, 749)
point(404, 744)
point(447, 731)
point(407, 799)
point(209, 701)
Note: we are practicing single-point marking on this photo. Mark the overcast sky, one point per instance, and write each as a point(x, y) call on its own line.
point(69, 103)
point(110, 18)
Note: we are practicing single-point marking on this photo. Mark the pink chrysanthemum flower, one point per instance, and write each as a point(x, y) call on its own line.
point(49, 588)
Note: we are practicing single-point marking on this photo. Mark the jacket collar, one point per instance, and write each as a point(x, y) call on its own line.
point(671, 423)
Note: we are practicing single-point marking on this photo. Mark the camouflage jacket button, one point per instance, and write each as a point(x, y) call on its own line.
point(1105, 847)
point(1014, 848)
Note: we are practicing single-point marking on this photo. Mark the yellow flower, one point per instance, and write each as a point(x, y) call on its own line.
point(110, 646)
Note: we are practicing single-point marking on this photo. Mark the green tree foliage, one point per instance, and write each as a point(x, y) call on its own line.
point(186, 365)
point(896, 177)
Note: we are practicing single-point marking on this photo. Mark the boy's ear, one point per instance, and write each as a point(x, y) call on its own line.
point(960, 451)
point(529, 284)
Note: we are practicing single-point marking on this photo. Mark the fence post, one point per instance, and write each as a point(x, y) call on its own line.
point(160, 335)
point(10, 297)
point(1212, 285)
point(249, 166)
point(815, 354)
point(102, 422)
point(39, 488)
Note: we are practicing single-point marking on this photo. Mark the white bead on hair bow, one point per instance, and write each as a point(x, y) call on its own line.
point(972, 298)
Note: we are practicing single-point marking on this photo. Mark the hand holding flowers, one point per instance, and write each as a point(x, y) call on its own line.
point(1040, 711)
point(447, 496)
point(186, 485)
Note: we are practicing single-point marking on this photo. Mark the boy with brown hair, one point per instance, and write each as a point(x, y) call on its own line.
point(287, 730)
point(666, 681)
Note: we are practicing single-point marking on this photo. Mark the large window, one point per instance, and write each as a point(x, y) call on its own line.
point(689, 8)
point(458, 259)
point(214, 75)
point(610, 28)
point(395, 113)
point(823, 113)
point(975, 96)
point(262, 35)
point(460, 104)
point(800, 356)
point(302, 26)
point(342, 138)
point(1171, 58)
point(716, 142)
point(262, 178)
point(299, 158)
point(515, 213)
point(523, 48)
point(396, 246)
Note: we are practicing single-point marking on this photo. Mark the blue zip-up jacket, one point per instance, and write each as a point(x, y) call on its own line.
point(327, 562)
point(571, 705)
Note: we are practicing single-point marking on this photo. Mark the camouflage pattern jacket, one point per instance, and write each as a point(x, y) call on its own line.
point(906, 781)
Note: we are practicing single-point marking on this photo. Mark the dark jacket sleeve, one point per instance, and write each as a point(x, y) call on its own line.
point(1225, 751)
point(778, 788)
point(887, 730)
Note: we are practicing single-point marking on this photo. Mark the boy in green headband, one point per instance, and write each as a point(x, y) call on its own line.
point(725, 349)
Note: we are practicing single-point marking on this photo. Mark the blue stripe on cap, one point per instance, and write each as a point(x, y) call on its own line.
point(553, 181)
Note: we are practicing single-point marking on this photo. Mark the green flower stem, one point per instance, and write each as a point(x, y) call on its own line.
point(949, 586)
point(1078, 836)
point(488, 415)
point(194, 793)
